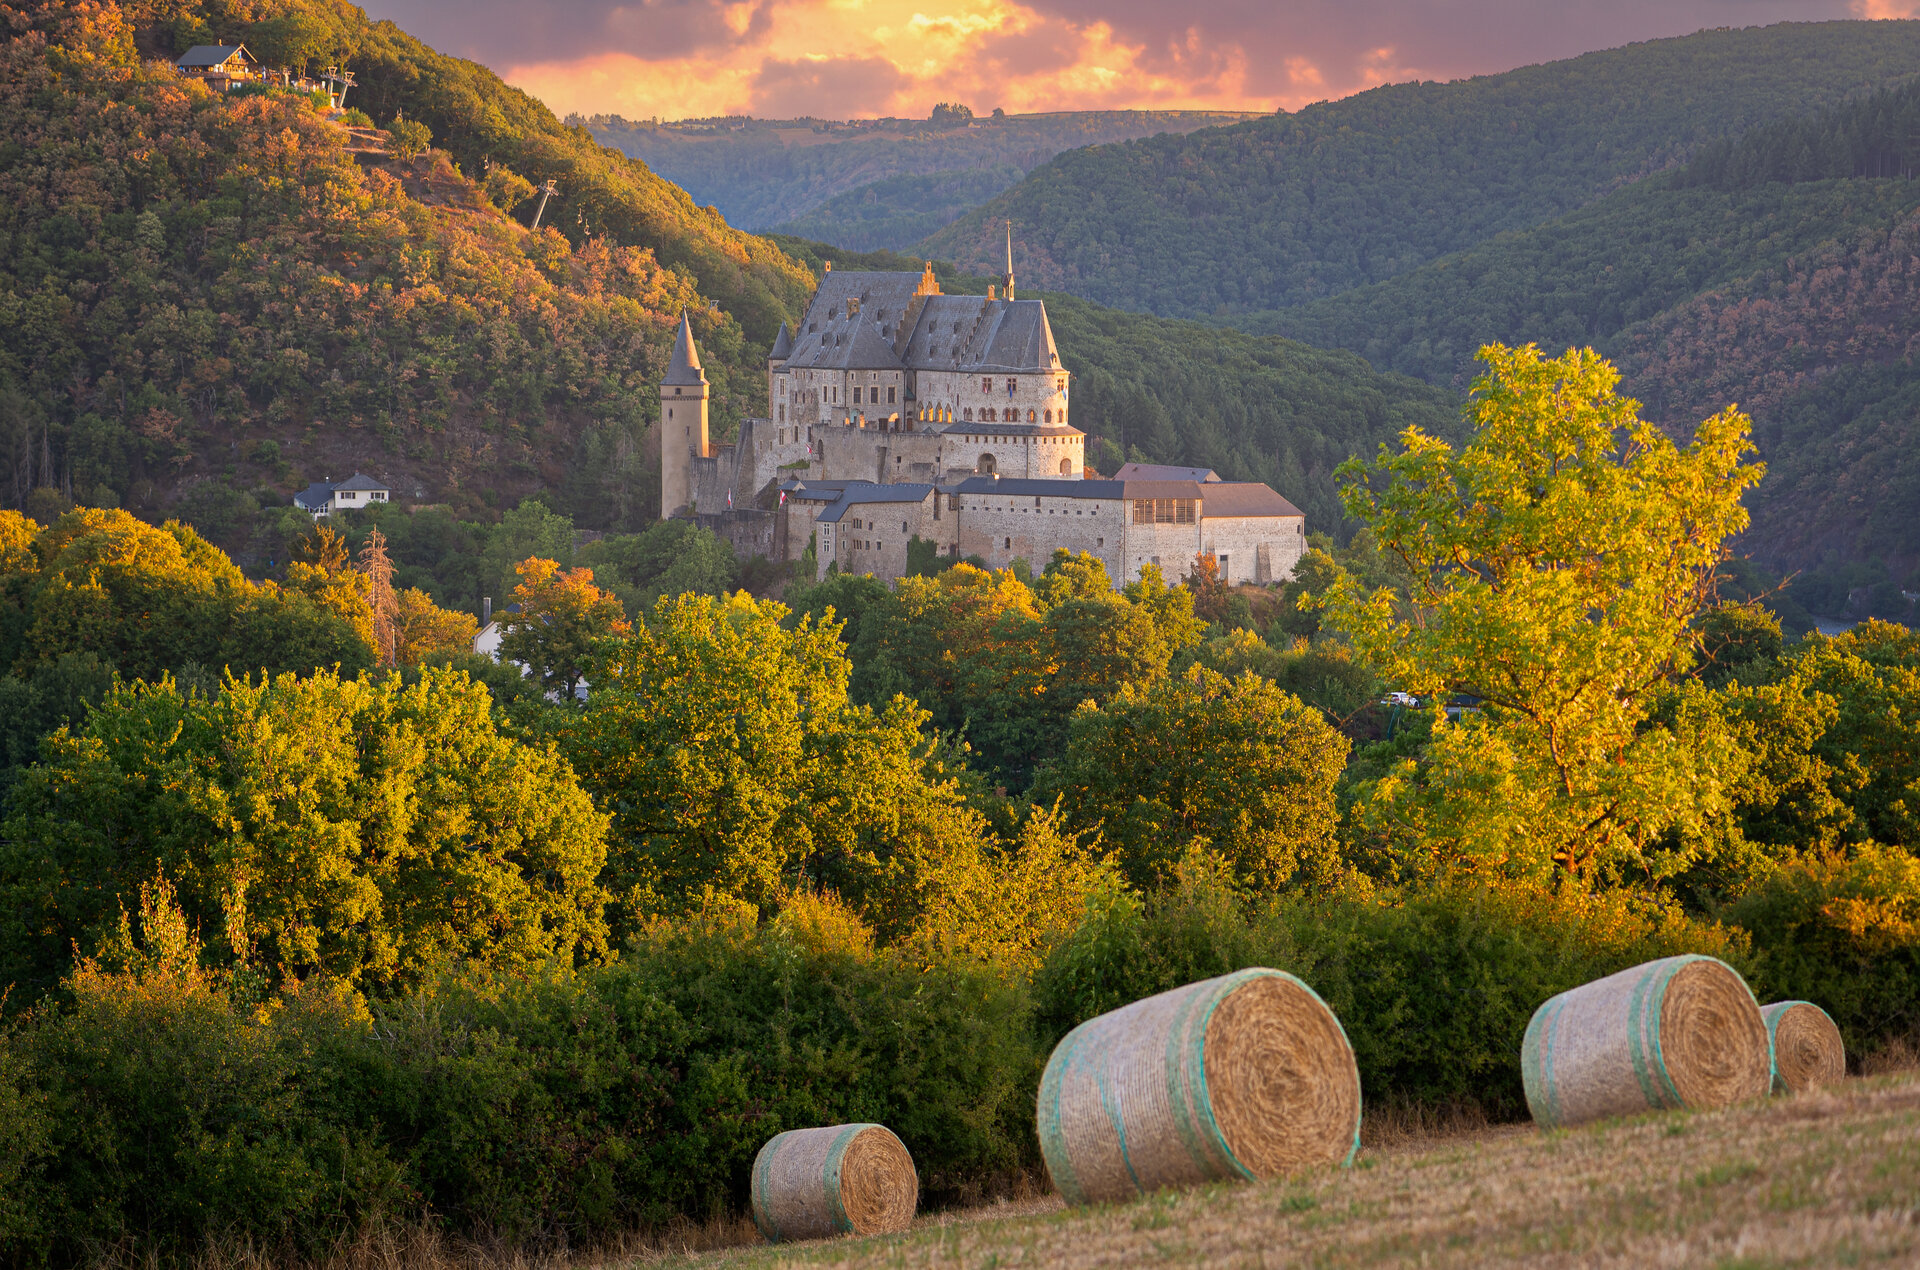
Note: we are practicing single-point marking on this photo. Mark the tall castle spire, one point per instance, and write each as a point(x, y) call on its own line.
point(1006, 283)
point(684, 367)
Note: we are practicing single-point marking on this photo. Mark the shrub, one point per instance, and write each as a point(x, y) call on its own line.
point(1434, 987)
point(409, 137)
point(354, 117)
point(359, 828)
point(1842, 931)
point(176, 1114)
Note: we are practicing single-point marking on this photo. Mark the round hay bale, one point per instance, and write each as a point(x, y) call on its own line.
point(844, 1179)
point(1678, 1032)
point(1807, 1049)
point(1247, 1075)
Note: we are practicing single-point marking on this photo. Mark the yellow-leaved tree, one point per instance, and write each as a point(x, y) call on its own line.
point(1558, 559)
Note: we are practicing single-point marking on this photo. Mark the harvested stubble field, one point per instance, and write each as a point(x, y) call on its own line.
point(1822, 1179)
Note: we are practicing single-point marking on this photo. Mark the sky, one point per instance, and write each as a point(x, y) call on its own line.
point(839, 59)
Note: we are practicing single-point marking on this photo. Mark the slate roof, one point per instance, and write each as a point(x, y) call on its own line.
point(209, 55)
point(782, 345)
point(359, 482)
point(1043, 487)
point(1014, 429)
point(858, 494)
point(876, 320)
point(1164, 472)
point(314, 497)
point(1217, 498)
point(684, 368)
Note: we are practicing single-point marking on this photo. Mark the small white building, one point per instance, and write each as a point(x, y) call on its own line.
point(323, 498)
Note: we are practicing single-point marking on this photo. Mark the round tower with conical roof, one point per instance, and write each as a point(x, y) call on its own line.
point(683, 422)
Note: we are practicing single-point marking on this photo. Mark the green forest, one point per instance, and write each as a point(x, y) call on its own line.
point(1280, 211)
point(767, 173)
point(1774, 272)
point(244, 296)
point(314, 924)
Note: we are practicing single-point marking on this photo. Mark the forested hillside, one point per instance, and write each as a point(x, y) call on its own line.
point(210, 301)
point(1278, 211)
point(1776, 272)
point(763, 173)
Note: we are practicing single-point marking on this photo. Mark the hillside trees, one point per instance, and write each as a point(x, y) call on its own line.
point(220, 268)
point(1288, 208)
point(1558, 561)
point(346, 826)
point(148, 600)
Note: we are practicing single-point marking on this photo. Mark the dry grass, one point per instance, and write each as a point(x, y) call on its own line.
point(1825, 1178)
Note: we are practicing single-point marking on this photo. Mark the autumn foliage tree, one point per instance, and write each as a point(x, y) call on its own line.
point(1559, 559)
point(563, 616)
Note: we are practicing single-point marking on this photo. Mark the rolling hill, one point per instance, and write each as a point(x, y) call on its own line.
point(209, 301)
point(1279, 211)
point(782, 174)
point(1776, 272)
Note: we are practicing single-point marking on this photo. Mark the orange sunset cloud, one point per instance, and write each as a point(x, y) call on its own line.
point(845, 58)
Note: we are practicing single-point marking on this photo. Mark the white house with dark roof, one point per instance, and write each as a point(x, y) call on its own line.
point(899, 412)
point(323, 498)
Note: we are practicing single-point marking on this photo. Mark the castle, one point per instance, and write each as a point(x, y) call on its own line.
point(899, 412)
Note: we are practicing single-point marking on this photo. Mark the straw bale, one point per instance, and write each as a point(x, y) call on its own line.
point(843, 1179)
point(1247, 1075)
point(1677, 1032)
point(1807, 1049)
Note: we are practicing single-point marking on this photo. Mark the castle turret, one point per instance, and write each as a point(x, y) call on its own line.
point(1006, 283)
point(683, 421)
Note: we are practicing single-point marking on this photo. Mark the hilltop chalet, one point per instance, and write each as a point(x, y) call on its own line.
point(222, 66)
point(225, 67)
point(899, 412)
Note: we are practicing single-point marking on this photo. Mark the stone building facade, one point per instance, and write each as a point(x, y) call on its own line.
point(899, 412)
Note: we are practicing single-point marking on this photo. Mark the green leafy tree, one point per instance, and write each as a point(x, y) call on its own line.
point(562, 618)
point(529, 530)
point(356, 828)
point(1558, 561)
point(147, 600)
point(669, 557)
point(737, 768)
point(409, 137)
point(1235, 768)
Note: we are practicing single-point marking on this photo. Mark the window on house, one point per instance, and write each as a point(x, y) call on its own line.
point(1224, 575)
point(1009, 546)
point(856, 396)
point(1049, 415)
point(969, 414)
point(986, 385)
point(1012, 384)
point(890, 395)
